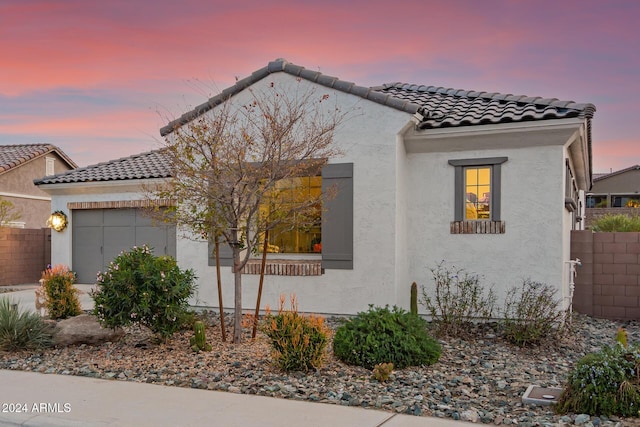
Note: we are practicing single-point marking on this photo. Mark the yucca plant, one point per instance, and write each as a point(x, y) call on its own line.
point(21, 330)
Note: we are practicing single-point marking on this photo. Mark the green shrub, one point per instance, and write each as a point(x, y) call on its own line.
point(381, 335)
point(617, 222)
point(604, 383)
point(22, 330)
point(459, 298)
point(532, 314)
point(140, 288)
point(60, 296)
point(297, 342)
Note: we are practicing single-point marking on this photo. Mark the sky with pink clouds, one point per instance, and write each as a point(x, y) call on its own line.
point(99, 78)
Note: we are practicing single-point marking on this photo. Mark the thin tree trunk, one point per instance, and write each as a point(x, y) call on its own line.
point(237, 273)
point(223, 327)
point(262, 268)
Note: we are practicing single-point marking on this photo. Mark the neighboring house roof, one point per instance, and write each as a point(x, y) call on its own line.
point(600, 176)
point(439, 107)
point(12, 156)
point(147, 165)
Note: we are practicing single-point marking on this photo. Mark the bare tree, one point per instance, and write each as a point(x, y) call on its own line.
point(8, 212)
point(229, 163)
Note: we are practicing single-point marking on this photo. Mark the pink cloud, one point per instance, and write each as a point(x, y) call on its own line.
point(149, 53)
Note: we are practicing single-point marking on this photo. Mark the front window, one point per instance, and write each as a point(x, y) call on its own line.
point(300, 231)
point(478, 193)
point(477, 198)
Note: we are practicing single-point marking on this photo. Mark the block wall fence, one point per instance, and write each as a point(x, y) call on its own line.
point(607, 285)
point(24, 254)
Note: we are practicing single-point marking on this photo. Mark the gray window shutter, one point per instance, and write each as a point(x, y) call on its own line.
point(226, 254)
point(337, 216)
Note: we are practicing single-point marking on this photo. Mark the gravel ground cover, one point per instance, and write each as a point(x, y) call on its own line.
point(479, 379)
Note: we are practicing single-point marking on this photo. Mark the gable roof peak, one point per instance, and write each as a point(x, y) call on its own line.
point(284, 66)
point(13, 155)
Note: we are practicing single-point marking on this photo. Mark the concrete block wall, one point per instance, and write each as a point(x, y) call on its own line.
point(24, 254)
point(608, 283)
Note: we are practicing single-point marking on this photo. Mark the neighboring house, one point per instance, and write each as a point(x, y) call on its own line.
point(616, 189)
point(614, 193)
point(487, 182)
point(20, 165)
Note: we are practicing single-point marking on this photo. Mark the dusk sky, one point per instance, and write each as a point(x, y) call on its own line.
point(99, 78)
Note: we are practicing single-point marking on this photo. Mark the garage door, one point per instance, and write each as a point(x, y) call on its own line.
point(99, 235)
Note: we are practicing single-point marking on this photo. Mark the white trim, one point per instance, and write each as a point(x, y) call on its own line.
point(24, 196)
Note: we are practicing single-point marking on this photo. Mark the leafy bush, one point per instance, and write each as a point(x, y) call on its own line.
point(459, 298)
point(604, 383)
point(60, 296)
point(381, 335)
point(532, 314)
point(140, 288)
point(617, 222)
point(22, 330)
point(298, 342)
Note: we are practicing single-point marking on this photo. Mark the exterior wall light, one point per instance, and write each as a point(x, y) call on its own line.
point(58, 221)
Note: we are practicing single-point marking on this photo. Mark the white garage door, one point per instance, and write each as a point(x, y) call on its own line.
point(99, 235)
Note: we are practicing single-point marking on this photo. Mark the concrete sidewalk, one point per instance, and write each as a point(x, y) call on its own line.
point(61, 400)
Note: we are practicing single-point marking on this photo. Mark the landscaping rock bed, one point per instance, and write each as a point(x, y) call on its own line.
point(480, 379)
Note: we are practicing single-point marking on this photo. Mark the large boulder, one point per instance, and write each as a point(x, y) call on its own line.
point(83, 329)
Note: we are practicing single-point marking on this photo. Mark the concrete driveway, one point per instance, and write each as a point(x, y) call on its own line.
point(25, 296)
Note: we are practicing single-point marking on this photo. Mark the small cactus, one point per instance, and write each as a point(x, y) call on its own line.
point(199, 341)
point(621, 336)
point(414, 298)
point(382, 371)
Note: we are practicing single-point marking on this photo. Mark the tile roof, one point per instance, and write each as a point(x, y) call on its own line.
point(12, 156)
point(442, 107)
point(439, 107)
point(147, 165)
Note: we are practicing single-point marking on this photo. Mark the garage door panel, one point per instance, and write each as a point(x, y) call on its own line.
point(88, 218)
point(116, 240)
point(151, 237)
point(119, 217)
point(87, 253)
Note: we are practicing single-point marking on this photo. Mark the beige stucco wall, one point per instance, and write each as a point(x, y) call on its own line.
point(16, 186)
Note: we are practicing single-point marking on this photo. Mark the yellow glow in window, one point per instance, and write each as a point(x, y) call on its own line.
point(477, 193)
point(300, 232)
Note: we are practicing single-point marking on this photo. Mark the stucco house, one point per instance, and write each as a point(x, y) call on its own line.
point(488, 182)
point(20, 165)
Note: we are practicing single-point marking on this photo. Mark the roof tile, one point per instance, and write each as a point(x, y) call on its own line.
point(152, 164)
point(17, 154)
